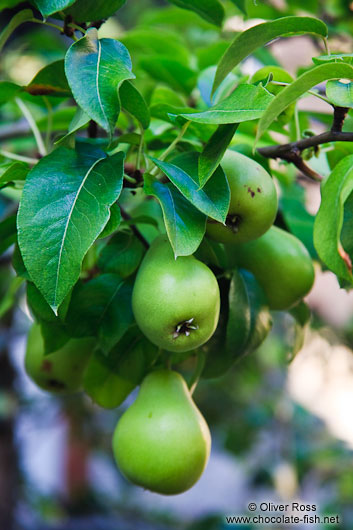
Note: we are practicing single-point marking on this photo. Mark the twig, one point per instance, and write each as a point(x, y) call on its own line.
point(280, 151)
point(135, 230)
point(292, 151)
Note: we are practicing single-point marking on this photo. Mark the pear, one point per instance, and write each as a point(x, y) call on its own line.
point(280, 263)
point(253, 201)
point(162, 442)
point(60, 372)
point(175, 301)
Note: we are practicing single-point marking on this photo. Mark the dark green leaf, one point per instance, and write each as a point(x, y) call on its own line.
point(109, 379)
point(17, 20)
point(113, 223)
point(301, 314)
point(261, 319)
point(101, 307)
point(210, 10)
point(297, 218)
point(296, 89)
point(214, 150)
point(255, 37)
point(170, 71)
point(134, 103)
point(95, 69)
point(122, 254)
point(91, 10)
point(49, 7)
point(7, 233)
point(50, 81)
point(213, 199)
point(329, 219)
point(64, 207)
point(54, 336)
point(230, 341)
point(185, 224)
point(247, 102)
point(11, 172)
point(8, 91)
point(79, 120)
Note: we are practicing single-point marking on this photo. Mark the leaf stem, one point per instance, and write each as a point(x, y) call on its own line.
point(21, 158)
point(170, 148)
point(38, 137)
point(37, 21)
point(311, 92)
point(76, 26)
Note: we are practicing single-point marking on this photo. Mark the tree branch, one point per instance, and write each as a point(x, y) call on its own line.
point(135, 230)
point(292, 152)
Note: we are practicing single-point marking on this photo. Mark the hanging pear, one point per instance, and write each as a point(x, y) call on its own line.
point(162, 442)
point(60, 372)
point(175, 301)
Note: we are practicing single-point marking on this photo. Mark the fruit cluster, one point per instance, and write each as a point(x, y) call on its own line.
point(162, 441)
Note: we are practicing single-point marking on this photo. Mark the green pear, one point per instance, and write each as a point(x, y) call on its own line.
point(175, 301)
point(59, 372)
point(162, 442)
point(281, 264)
point(278, 74)
point(253, 201)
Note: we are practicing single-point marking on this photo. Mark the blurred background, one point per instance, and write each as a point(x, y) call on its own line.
point(282, 429)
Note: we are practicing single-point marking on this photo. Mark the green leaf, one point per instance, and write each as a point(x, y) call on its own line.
point(149, 42)
point(214, 150)
point(90, 10)
point(79, 120)
point(296, 89)
point(7, 233)
point(122, 254)
point(134, 103)
point(54, 335)
point(170, 71)
point(301, 314)
point(340, 93)
point(113, 223)
point(50, 81)
point(49, 7)
point(231, 339)
point(185, 224)
point(247, 102)
point(11, 172)
point(213, 200)
point(8, 91)
point(41, 309)
point(64, 207)
point(101, 307)
point(329, 219)
point(248, 41)
point(109, 379)
point(334, 58)
point(241, 5)
point(261, 319)
point(299, 221)
point(210, 10)
point(17, 20)
point(95, 69)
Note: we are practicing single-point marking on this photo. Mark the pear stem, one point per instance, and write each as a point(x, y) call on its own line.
point(201, 359)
